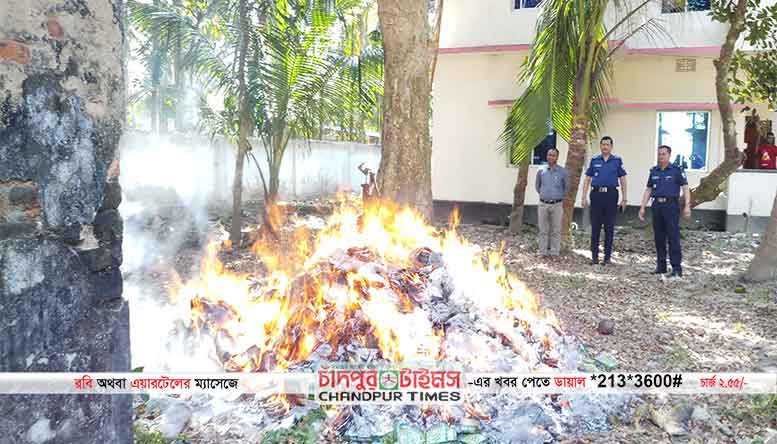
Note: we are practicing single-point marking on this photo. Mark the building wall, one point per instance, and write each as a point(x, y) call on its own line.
point(495, 22)
point(204, 168)
point(482, 46)
point(466, 126)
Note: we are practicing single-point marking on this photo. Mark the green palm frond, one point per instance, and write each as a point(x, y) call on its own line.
point(570, 65)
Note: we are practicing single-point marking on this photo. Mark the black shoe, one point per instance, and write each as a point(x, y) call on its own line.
point(659, 271)
point(676, 274)
point(594, 262)
point(606, 262)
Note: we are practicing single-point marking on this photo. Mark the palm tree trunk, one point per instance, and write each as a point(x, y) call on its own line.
point(179, 82)
point(519, 197)
point(156, 74)
point(763, 267)
point(710, 186)
point(275, 181)
point(405, 175)
point(578, 147)
point(435, 41)
point(244, 128)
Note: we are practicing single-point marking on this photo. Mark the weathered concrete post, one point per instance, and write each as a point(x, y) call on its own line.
point(61, 114)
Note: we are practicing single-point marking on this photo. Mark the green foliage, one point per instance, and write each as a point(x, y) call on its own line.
point(678, 357)
point(764, 405)
point(753, 74)
point(296, 67)
point(569, 70)
point(143, 435)
point(311, 64)
point(303, 432)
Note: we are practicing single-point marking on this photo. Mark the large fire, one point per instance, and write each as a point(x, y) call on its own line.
point(365, 278)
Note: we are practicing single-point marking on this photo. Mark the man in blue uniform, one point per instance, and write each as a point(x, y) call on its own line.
point(663, 185)
point(604, 172)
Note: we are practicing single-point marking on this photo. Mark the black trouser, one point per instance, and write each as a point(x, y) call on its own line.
point(604, 207)
point(666, 227)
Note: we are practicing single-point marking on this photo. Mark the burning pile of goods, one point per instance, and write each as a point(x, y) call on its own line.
point(381, 286)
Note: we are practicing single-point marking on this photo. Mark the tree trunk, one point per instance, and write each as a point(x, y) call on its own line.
point(275, 182)
point(156, 74)
point(519, 196)
point(435, 41)
point(404, 175)
point(578, 147)
point(179, 78)
point(710, 186)
point(764, 265)
point(244, 128)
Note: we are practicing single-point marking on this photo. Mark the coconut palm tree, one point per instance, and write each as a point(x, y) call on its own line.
point(279, 67)
point(568, 76)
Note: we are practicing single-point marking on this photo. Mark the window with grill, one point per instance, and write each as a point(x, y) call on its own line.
point(673, 6)
point(526, 4)
point(687, 133)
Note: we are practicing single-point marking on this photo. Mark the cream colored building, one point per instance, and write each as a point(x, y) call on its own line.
point(657, 82)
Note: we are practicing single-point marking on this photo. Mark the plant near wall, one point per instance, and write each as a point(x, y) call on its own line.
point(753, 74)
point(280, 69)
point(746, 77)
point(568, 76)
point(739, 76)
point(167, 49)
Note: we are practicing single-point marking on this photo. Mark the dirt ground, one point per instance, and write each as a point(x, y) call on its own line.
point(700, 323)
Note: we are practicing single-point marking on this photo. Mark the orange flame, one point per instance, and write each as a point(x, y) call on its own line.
point(354, 282)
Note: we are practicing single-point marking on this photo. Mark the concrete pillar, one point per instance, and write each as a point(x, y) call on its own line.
point(62, 102)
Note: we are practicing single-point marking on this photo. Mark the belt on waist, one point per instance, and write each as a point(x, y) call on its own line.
point(550, 201)
point(603, 189)
point(665, 199)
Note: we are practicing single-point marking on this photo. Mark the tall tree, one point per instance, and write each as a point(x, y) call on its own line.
point(733, 13)
point(752, 79)
point(244, 124)
point(156, 77)
point(757, 23)
point(165, 46)
point(519, 196)
point(405, 175)
point(567, 77)
point(279, 67)
point(763, 267)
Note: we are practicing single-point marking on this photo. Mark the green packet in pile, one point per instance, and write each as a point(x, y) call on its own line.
point(439, 434)
point(407, 434)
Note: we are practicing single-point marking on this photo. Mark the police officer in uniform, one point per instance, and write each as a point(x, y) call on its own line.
point(604, 172)
point(663, 185)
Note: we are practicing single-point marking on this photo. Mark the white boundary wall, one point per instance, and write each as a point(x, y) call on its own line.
point(198, 168)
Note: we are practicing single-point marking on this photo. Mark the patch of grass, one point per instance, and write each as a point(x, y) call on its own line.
point(303, 432)
point(758, 409)
point(758, 296)
point(765, 405)
point(739, 327)
point(143, 435)
point(577, 281)
point(678, 356)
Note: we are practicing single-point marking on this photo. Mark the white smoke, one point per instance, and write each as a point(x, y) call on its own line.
point(167, 184)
